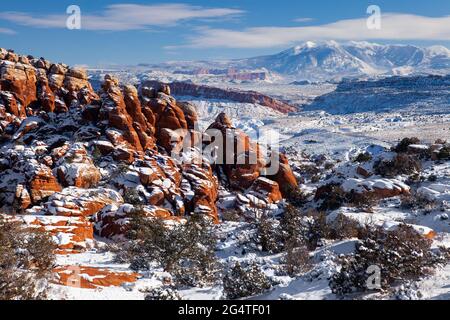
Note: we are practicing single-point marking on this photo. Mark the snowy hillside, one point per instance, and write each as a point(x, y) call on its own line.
point(423, 94)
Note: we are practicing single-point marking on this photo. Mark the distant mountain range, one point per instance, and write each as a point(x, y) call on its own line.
point(310, 61)
point(329, 59)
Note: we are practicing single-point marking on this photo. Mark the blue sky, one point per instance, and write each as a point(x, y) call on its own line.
point(118, 32)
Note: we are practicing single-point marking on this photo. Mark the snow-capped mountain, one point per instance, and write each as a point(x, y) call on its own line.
point(329, 59)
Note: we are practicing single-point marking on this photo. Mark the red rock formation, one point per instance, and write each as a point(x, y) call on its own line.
point(123, 124)
point(91, 278)
point(269, 189)
point(78, 87)
point(20, 80)
point(70, 234)
point(190, 114)
point(194, 90)
point(77, 169)
point(250, 163)
point(144, 129)
point(114, 110)
point(22, 198)
point(76, 202)
point(43, 184)
point(45, 95)
point(205, 187)
point(285, 177)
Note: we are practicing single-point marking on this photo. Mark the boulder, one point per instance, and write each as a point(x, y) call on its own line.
point(249, 162)
point(77, 169)
point(203, 185)
point(22, 198)
point(269, 189)
point(380, 188)
point(75, 202)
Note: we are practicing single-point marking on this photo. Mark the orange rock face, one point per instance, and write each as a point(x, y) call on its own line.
point(22, 197)
point(249, 160)
point(115, 111)
point(205, 187)
point(131, 140)
point(268, 188)
point(43, 184)
point(194, 90)
point(91, 278)
point(70, 234)
point(285, 177)
point(143, 127)
point(20, 80)
point(45, 95)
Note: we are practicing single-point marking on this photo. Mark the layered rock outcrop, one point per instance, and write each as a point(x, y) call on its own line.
point(249, 160)
point(86, 277)
point(73, 158)
point(194, 90)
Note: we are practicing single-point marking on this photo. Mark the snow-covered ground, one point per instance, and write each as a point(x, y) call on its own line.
point(340, 137)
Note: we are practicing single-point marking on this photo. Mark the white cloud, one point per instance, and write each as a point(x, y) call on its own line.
point(394, 26)
point(7, 31)
point(301, 20)
point(125, 17)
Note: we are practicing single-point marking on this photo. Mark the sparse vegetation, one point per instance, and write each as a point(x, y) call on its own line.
point(164, 293)
point(268, 234)
point(344, 228)
point(184, 250)
point(400, 255)
point(444, 153)
point(418, 201)
point(231, 215)
point(403, 145)
point(363, 157)
point(401, 164)
point(296, 260)
point(132, 196)
point(244, 281)
point(363, 201)
point(332, 196)
point(26, 261)
point(300, 230)
point(296, 196)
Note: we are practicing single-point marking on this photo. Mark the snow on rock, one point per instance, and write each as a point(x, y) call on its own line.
point(77, 169)
point(70, 234)
point(383, 188)
point(74, 202)
point(112, 221)
point(388, 221)
point(436, 191)
point(86, 277)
